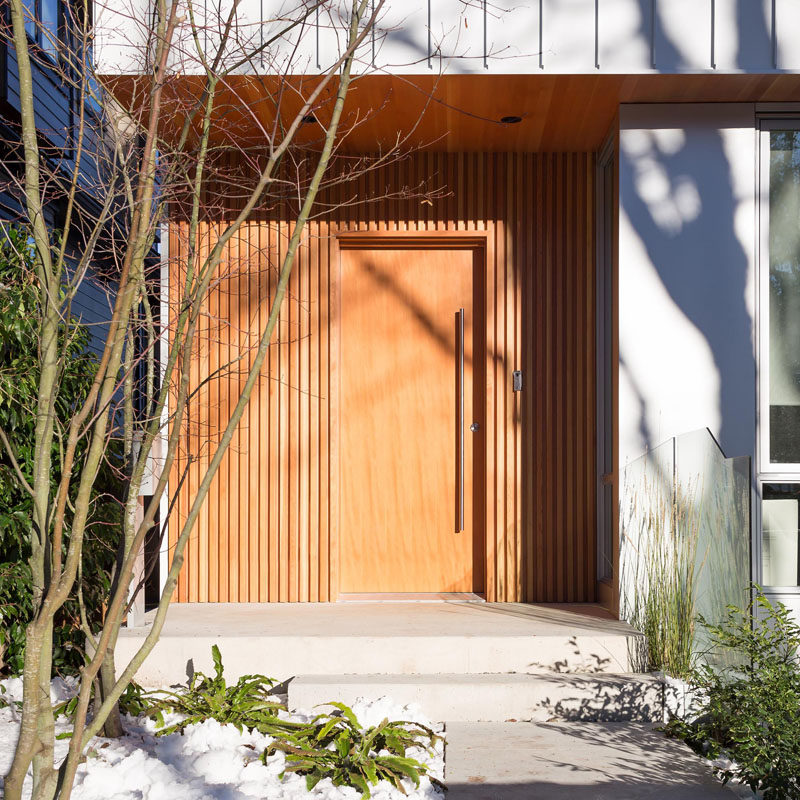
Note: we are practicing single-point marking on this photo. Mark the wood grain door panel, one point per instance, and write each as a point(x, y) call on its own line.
point(399, 399)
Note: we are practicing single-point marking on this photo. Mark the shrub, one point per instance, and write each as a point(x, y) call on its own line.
point(751, 712)
point(15, 610)
point(19, 367)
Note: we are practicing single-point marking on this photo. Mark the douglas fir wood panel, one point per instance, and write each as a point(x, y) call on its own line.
point(460, 112)
point(407, 355)
point(271, 529)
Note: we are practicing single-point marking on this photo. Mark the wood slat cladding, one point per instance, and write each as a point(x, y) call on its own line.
point(269, 530)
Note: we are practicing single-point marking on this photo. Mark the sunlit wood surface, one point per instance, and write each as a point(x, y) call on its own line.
point(462, 113)
point(271, 529)
point(399, 409)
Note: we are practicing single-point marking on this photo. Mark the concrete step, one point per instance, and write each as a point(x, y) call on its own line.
point(284, 657)
point(599, 697)
point(287, 639)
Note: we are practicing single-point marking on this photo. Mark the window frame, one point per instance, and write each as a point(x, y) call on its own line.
point(771, 588)
point(36, 40)
point(774, 469)
point(605, 303)
point(767, 471)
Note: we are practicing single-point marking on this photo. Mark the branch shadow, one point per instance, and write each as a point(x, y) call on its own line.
point(568, 760)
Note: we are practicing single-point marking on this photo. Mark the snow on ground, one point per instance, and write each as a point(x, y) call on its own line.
point(210, 762)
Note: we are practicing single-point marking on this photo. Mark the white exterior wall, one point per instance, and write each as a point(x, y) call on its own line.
point(531, 37)
point(687, 275)
point(688, 250)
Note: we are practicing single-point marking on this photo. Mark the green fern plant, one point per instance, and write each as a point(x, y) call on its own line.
point(336, 746)
point(247, 704)
point(331, 745)
point(4, 702)
point(133, 702)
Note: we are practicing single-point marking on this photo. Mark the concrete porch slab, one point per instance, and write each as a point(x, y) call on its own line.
point(284, 640)
point(574, 761)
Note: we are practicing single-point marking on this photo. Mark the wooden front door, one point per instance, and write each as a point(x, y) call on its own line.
point(410, 513)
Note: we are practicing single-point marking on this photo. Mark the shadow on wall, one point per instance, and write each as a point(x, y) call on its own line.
point(755, 38)
point(678, 192)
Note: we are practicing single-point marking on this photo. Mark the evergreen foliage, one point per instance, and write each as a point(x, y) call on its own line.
point(750, 713)
point(19, 381)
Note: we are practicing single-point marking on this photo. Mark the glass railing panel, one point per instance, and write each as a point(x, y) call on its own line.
point(716, 493)
point(685, 544)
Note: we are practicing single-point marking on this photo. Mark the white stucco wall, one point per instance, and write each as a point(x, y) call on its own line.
point(530, 37)
point(687, 256)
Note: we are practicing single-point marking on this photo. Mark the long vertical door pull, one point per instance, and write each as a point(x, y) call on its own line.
point(459, 526)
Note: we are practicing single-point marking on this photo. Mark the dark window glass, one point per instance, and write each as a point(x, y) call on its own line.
point(49, 27)
point(92, 89)
point(784, 297)
point(30, 17)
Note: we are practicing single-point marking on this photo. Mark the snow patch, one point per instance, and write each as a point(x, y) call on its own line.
point(210, 761)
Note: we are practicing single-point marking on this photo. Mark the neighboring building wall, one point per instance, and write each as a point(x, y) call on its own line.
point(687, 255)
point(93, 307)
point(92, 303)
point(52, 101)
point(54, 107)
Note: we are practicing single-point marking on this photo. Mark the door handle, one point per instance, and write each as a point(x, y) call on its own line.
point(459, 526)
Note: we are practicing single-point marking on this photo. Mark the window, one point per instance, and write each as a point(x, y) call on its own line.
point(780, 534)
point(42, 24)
point(779, 355)
point(30, 17)
point(780, 301)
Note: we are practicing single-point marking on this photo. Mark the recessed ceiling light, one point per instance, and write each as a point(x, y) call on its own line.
point(510, 120)
point(308, 119)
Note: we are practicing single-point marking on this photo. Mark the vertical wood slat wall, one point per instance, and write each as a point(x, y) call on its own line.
point(269, 528)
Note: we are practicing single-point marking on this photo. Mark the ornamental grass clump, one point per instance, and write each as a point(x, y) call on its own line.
point(750, 713)
point(660, 545)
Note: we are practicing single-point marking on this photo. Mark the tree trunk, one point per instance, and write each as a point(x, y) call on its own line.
point(28, 739)
point(103, 684)
point(112, 727)
point(45, 775)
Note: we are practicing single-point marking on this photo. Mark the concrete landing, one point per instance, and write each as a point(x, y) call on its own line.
point(285, 640)
point(496, 698)
point(574, 761)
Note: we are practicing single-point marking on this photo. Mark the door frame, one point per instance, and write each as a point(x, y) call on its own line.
point(479, 241)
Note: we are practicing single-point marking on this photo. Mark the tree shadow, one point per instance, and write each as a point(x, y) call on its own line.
point(597, 697)
point(569, 760)
point(713, 301)
point(678, 193)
